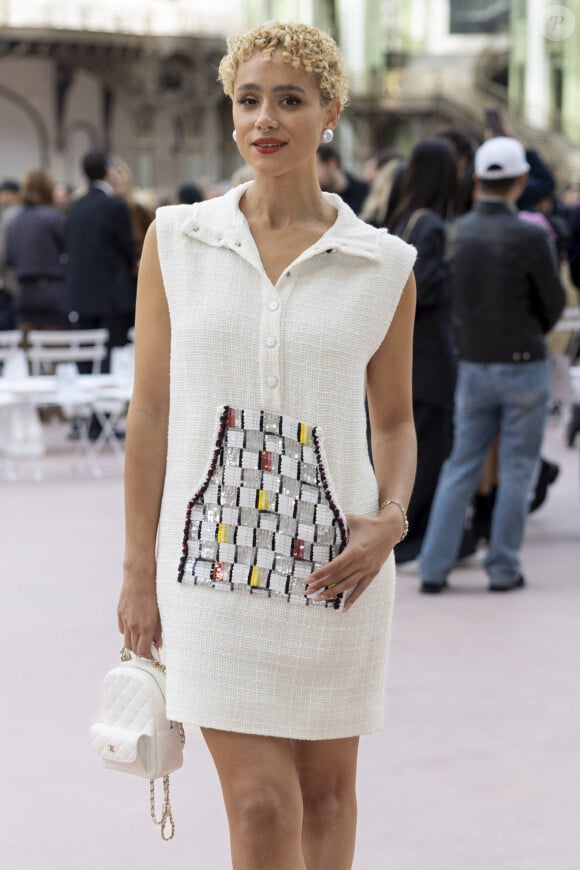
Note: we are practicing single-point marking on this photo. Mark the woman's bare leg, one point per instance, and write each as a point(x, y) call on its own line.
point(262, 798)
point(327, 774)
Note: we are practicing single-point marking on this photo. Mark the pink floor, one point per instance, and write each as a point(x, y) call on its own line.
point(478, 767)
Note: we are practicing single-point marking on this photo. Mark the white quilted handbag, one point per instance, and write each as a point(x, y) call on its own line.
point(133, 733)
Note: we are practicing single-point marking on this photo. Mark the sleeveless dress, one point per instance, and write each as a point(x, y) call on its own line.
point(267, 457)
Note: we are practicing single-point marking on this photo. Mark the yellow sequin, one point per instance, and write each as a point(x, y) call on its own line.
point(305, 434)
point(256, 576)
point(222, 535)
point(263, 500)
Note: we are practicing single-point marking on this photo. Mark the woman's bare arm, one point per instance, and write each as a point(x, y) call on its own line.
point(145, 456)
point(394, 447)
point(389, 392)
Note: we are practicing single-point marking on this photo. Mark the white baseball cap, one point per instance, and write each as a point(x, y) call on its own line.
point(500, 157)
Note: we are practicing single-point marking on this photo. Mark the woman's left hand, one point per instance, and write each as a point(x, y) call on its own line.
point(371, 539)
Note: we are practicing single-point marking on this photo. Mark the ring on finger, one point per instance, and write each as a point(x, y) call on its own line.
point(326, 592)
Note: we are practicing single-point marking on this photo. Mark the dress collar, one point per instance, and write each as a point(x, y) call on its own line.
point(219, 222)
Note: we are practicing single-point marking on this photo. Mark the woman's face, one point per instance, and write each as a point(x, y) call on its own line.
point(278, 114)
point(117, 179)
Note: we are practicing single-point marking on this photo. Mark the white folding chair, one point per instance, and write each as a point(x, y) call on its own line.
point(48, 347)
point(10, 341)
point(21, 436)
point(111, 406)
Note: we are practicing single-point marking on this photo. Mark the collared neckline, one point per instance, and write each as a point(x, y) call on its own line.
point(104, 186)
point(220, 222)
point(495, 205)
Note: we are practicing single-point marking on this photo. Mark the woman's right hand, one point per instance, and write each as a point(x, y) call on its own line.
point(138, 615)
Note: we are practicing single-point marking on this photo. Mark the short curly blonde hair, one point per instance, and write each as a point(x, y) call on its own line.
point(301, 45)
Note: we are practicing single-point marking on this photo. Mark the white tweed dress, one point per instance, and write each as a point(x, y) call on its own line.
point(256, 663)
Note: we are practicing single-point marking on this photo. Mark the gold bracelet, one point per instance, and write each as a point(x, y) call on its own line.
point(398, 504)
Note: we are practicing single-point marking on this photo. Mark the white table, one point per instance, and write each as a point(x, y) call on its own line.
point(50, 389)
point(106, 396)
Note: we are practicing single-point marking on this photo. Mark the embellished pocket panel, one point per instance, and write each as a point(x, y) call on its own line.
point(264, 518)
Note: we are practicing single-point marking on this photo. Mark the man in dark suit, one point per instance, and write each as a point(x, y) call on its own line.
point(100, 283)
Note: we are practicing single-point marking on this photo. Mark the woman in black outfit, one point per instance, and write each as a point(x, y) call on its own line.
point(35, 250)
point(427, 195)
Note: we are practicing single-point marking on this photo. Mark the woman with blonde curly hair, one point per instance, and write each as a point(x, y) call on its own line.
point(258, 539)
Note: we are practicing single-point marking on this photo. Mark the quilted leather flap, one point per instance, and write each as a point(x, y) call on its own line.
point(131, 700)
point(114, 744)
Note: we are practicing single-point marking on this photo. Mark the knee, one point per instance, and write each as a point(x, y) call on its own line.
point(326, 804)
point(263, 813)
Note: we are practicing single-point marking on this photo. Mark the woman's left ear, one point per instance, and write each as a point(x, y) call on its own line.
point(332, 114)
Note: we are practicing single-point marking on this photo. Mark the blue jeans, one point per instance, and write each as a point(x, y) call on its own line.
point(509, 399)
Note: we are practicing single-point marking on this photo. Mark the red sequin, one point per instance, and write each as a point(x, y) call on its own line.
point(267, 461)
point(298, 549)
point(218, 571)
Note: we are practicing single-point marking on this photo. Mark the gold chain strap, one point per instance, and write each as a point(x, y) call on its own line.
point(165, 822)
point(127, 655)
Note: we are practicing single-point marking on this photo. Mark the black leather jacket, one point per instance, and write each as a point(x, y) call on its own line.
point(505, 289)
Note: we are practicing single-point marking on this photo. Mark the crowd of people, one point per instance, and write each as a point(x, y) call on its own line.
point(497, 260)
point(70, 260)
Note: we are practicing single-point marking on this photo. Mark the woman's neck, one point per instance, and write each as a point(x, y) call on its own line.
point(284, 201)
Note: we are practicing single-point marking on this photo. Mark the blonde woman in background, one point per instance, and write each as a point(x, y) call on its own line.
point(384, 191)
point(120, 178)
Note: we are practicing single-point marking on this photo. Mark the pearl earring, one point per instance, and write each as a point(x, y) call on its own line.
point(327, 136)
point(235, 136)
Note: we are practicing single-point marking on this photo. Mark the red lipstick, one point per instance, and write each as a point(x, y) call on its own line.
point(268, 145)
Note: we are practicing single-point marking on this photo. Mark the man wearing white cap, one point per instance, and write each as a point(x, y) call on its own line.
point(505, 295)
